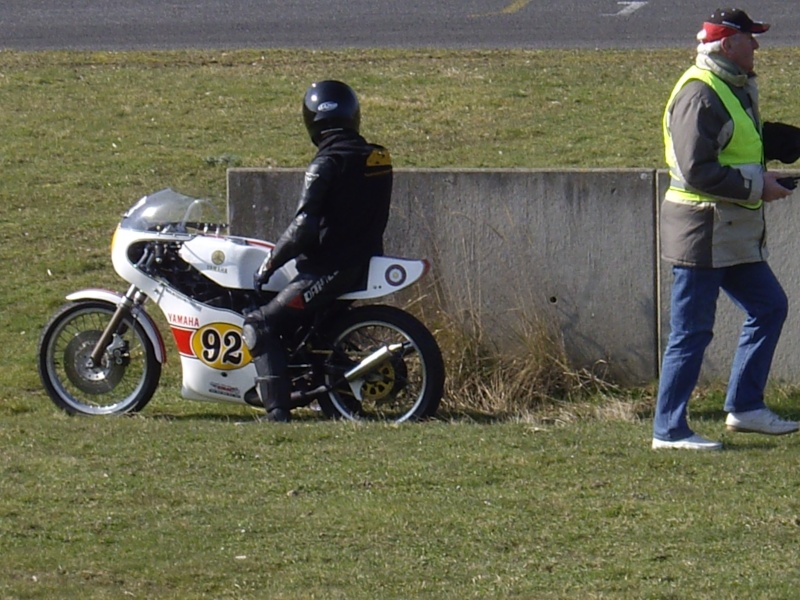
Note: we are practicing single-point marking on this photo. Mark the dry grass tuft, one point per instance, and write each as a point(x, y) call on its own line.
point(530, 380)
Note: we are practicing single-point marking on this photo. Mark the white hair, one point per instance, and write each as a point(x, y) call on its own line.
point(714, 47)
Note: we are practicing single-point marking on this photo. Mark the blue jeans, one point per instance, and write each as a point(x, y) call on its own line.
point(754, 289)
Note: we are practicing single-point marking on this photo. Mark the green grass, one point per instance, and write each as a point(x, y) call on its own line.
point(182, 503)
point(194, 506)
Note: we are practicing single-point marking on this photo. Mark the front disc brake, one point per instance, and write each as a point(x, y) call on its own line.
point(82, 373)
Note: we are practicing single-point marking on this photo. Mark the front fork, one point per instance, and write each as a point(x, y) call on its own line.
point(132, 298)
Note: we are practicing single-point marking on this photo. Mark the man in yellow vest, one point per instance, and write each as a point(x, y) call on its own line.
point(713, 231)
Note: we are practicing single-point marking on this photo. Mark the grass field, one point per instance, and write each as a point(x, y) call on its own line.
point(180, 502)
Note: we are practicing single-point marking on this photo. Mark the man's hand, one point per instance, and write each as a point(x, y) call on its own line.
point(262, 276)
point(772, 189)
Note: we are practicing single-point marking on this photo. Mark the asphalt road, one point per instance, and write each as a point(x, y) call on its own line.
point(165, 24)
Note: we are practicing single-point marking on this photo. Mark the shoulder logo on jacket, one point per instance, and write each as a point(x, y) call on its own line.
point(310, 178)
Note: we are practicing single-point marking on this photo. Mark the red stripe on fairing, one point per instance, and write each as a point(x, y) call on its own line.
point(183, 339)
point(255, 242)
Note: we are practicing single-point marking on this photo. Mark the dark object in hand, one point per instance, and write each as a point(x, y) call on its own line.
point(788, 182)
point(781, 142)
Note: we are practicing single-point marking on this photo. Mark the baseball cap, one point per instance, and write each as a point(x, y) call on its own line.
point(729, 21)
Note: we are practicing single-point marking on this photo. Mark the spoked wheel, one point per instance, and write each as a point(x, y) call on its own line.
point(404, 379)
point(123, 381)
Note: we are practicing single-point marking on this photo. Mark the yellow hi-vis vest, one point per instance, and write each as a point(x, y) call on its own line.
point(745, 146)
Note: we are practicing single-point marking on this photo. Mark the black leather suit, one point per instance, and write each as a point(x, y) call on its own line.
point(338, 226)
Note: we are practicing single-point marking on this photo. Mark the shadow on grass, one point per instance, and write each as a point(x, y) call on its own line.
point(754, 442)
point(710, 413)
point(638, 411)
point(311, 416)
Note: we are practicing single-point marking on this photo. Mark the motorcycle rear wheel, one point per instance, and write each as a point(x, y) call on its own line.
point(124, 381)
point(408, 386)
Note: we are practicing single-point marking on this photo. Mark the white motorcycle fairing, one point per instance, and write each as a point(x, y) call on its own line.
point(231, 262)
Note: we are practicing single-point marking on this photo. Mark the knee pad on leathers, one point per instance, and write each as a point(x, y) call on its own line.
point(253, 331)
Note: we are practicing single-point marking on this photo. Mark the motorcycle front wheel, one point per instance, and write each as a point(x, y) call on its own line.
point(123, 382)
point(404, 385)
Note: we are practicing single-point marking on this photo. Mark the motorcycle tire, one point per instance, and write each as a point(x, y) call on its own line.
point(407, 386)
point(129, 372)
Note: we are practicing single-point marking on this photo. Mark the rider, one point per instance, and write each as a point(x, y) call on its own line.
point(338, 226)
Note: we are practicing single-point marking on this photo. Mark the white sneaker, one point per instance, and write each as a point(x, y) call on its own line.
point(762, 420)
point(693, 442)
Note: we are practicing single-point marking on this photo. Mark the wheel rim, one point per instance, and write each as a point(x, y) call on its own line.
point(393, 390)
point(115, 384)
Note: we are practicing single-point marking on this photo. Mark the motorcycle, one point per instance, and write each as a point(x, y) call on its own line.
point(102, 353)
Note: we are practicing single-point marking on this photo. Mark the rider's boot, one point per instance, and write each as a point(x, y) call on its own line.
point(269, 359)
point(274, 393)
point(272, 383)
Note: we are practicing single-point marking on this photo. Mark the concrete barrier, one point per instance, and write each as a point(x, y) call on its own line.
point(575, 249)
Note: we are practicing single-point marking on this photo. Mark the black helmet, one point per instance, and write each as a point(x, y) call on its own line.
point(330, 105)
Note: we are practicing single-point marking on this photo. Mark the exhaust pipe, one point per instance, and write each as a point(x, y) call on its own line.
point(373, 360)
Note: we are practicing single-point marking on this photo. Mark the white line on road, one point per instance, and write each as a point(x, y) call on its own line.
point(628, 8)
point(514, 7)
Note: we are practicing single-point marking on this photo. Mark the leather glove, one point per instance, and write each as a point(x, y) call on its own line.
point(262, 276)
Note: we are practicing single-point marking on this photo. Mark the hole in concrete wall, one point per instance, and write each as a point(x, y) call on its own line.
point(553, 300)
